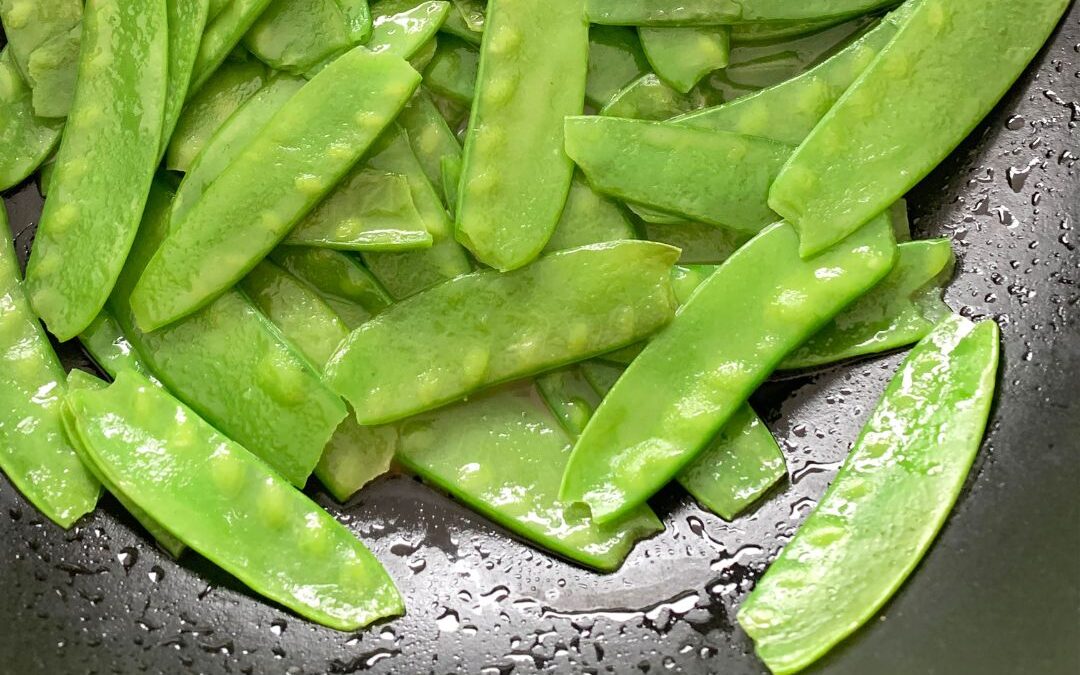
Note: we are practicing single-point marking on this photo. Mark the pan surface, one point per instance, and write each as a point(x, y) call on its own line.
point(999, 592)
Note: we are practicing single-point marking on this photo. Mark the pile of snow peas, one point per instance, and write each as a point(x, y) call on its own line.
point(538, 254)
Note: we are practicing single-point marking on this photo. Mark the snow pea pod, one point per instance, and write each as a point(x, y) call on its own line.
point(223, 502)
point(712, 12)
point(104, 166)
point(715, 177)
point(310, 144)
point(453, 70)
point(502, 453)
point(295, 35)
point(205, 113)
point(615, 60)
point(778, 30)
point(187, 20)
point(451, 176)
point(757, 308)
point(589, 218)
point(28, 24)
point(340, 280)
point(404, 33)
point(886, 505)
point(110, 349)
point(682, 56)
point(699, 243)
point(605, 296)
point(532, 52)
point(570, 397)
point(473, 12)
point(34, 453)
point(222, 34)
point(430, 137)
point(455, 25)
point(27, 139)
point(649, 98)
point(52, 71)
point(263, 395)
point(357, 19)
point(875, 144)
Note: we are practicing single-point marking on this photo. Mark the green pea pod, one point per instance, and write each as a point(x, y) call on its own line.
point(187, 20)
point(27, 139)
point(28, 24)
point(455, 25)
point(533, 67)
point(454, 112)
point(263, 395)
point(886, 505)
point(606, 296)
point(738, 326)
point(649, 98)
point(615, 60)
point(778, 30)
point(473, 12)
point(589, 218)
point(222, 34)
point(305, 149)
point(502, 453)
point(104, 166)
point(865, 154)
point(452, 72)
point(204, 114)
point(34, 453)
point(295, 35)
point(358, 20)
point(715, 177)
point(216, 8)
point(699, 243)
point(570, 396)
point(431, 139)
point(451, 171)
point(53, 69)
point(223, 502)
point(341, 281)
point(404, 33)
point(712, 12)
point(369, 210)
point(682, 56)
point(110, 349)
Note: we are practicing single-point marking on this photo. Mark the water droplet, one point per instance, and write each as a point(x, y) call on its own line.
point(156, 574)
point(1015, 123)
point(448, 621)
point(127, 556)
point(277, 626)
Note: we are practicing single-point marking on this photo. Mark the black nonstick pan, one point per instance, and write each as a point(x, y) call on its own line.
point(999, 592)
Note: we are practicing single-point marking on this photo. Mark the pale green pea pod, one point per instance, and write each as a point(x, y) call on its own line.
point(222, 34)
point(187, 20)
point(357, 19)
point(29, 24)
point(223, 502)
point(713, 12)
point(295, 35)
point(52, 71)
point(649, 98)
point(405, 33)
point(452, 72)
point(104, 166)
point(682, 56)
point(423, 55)
point(431, 139)
point(532, 52)
point(110, 349)
point(473, 12)
point(699, 243)
point(455, 25)
point(570, 396)
point(615, 60)
point(451, 176)
point(589, 218)
point(27, 139)
point(339, 279)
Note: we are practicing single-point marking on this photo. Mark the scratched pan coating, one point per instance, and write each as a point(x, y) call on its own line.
point(997, 593)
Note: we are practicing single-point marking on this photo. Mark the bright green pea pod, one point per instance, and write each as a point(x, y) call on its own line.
point(358, 20)
point(738, 326)
point(34, 453)
point(404, 33)
point(294, 35)
point(867, 152)
point(615, 60)
point(216, 7)
point(502, 453)
point(778, 30)
point(340, 280)
point(473, 12)
point(104, 166)
point(222, 34)
point(605, 296)
point(715, 177)
point(515, 175)
point(223, 502)
point(53, 69)
point(231, 137)
point(27, 139)
point(649, 98)
point(262, 394)
point(453, 70)
point(712, 12)
point(369, 210)
point(682, 56)
point(205, 113)
point(570, 396)
point(355, 456)
point(699, 243)
point(589, 218)
point(883, 510)
point(28, 24)
point(305, 149)
point(431, 138)
point(451, 176)
point(187, 20)
point(110, 349)
point(455, 25)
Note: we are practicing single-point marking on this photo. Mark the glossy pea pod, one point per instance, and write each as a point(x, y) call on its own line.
point(566, 307)
point(473, 12)
point(358, 19)
point(589, 218)
point(405, 31)
point(681, 56)
point(713, 12)
point(222, 34)
point(692, 377)
point(104, 166)
point(453, 70)
point(615, 60)
point(877, 142)
point(223, 502)
point(533, 68)
point(295, 35)
point(53, 70)
point(887, 503)
point(431, 138)
point(27, 139)
point(700, 243)
point(310, 144)
point(34, 453)
point(109, 348)
point(187, 20)
point(29, 24)
point(339, 279)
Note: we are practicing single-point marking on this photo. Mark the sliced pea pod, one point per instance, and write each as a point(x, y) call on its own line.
point(222, 501)
point(865, 154)
point(310, 144)
point(34, 454)
point(738, 326)
point(423, 55)
point(533, 67)
point(52, 71)
point(109, 348)
point(27, 139)
point(699, 243)
point(369, 210)
point(264, 395)
point(455, 25)
point(205, 113)
point(682, 56)
point(615, 60)
point(222, 34)
point(712, 12)
point(187, 20)
point(452, 72)
point(431, 139)
point(104, 166)
point(605, 296)
point(358, 19)
point(649, 98)
point(405, 31)
point(502, 453)
point(28, 24)
point(570, 396)
point(715, 177)
point(589, 218)
point(346, 285)
point(886, 505)
point(295, 35)
point(473, 12)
